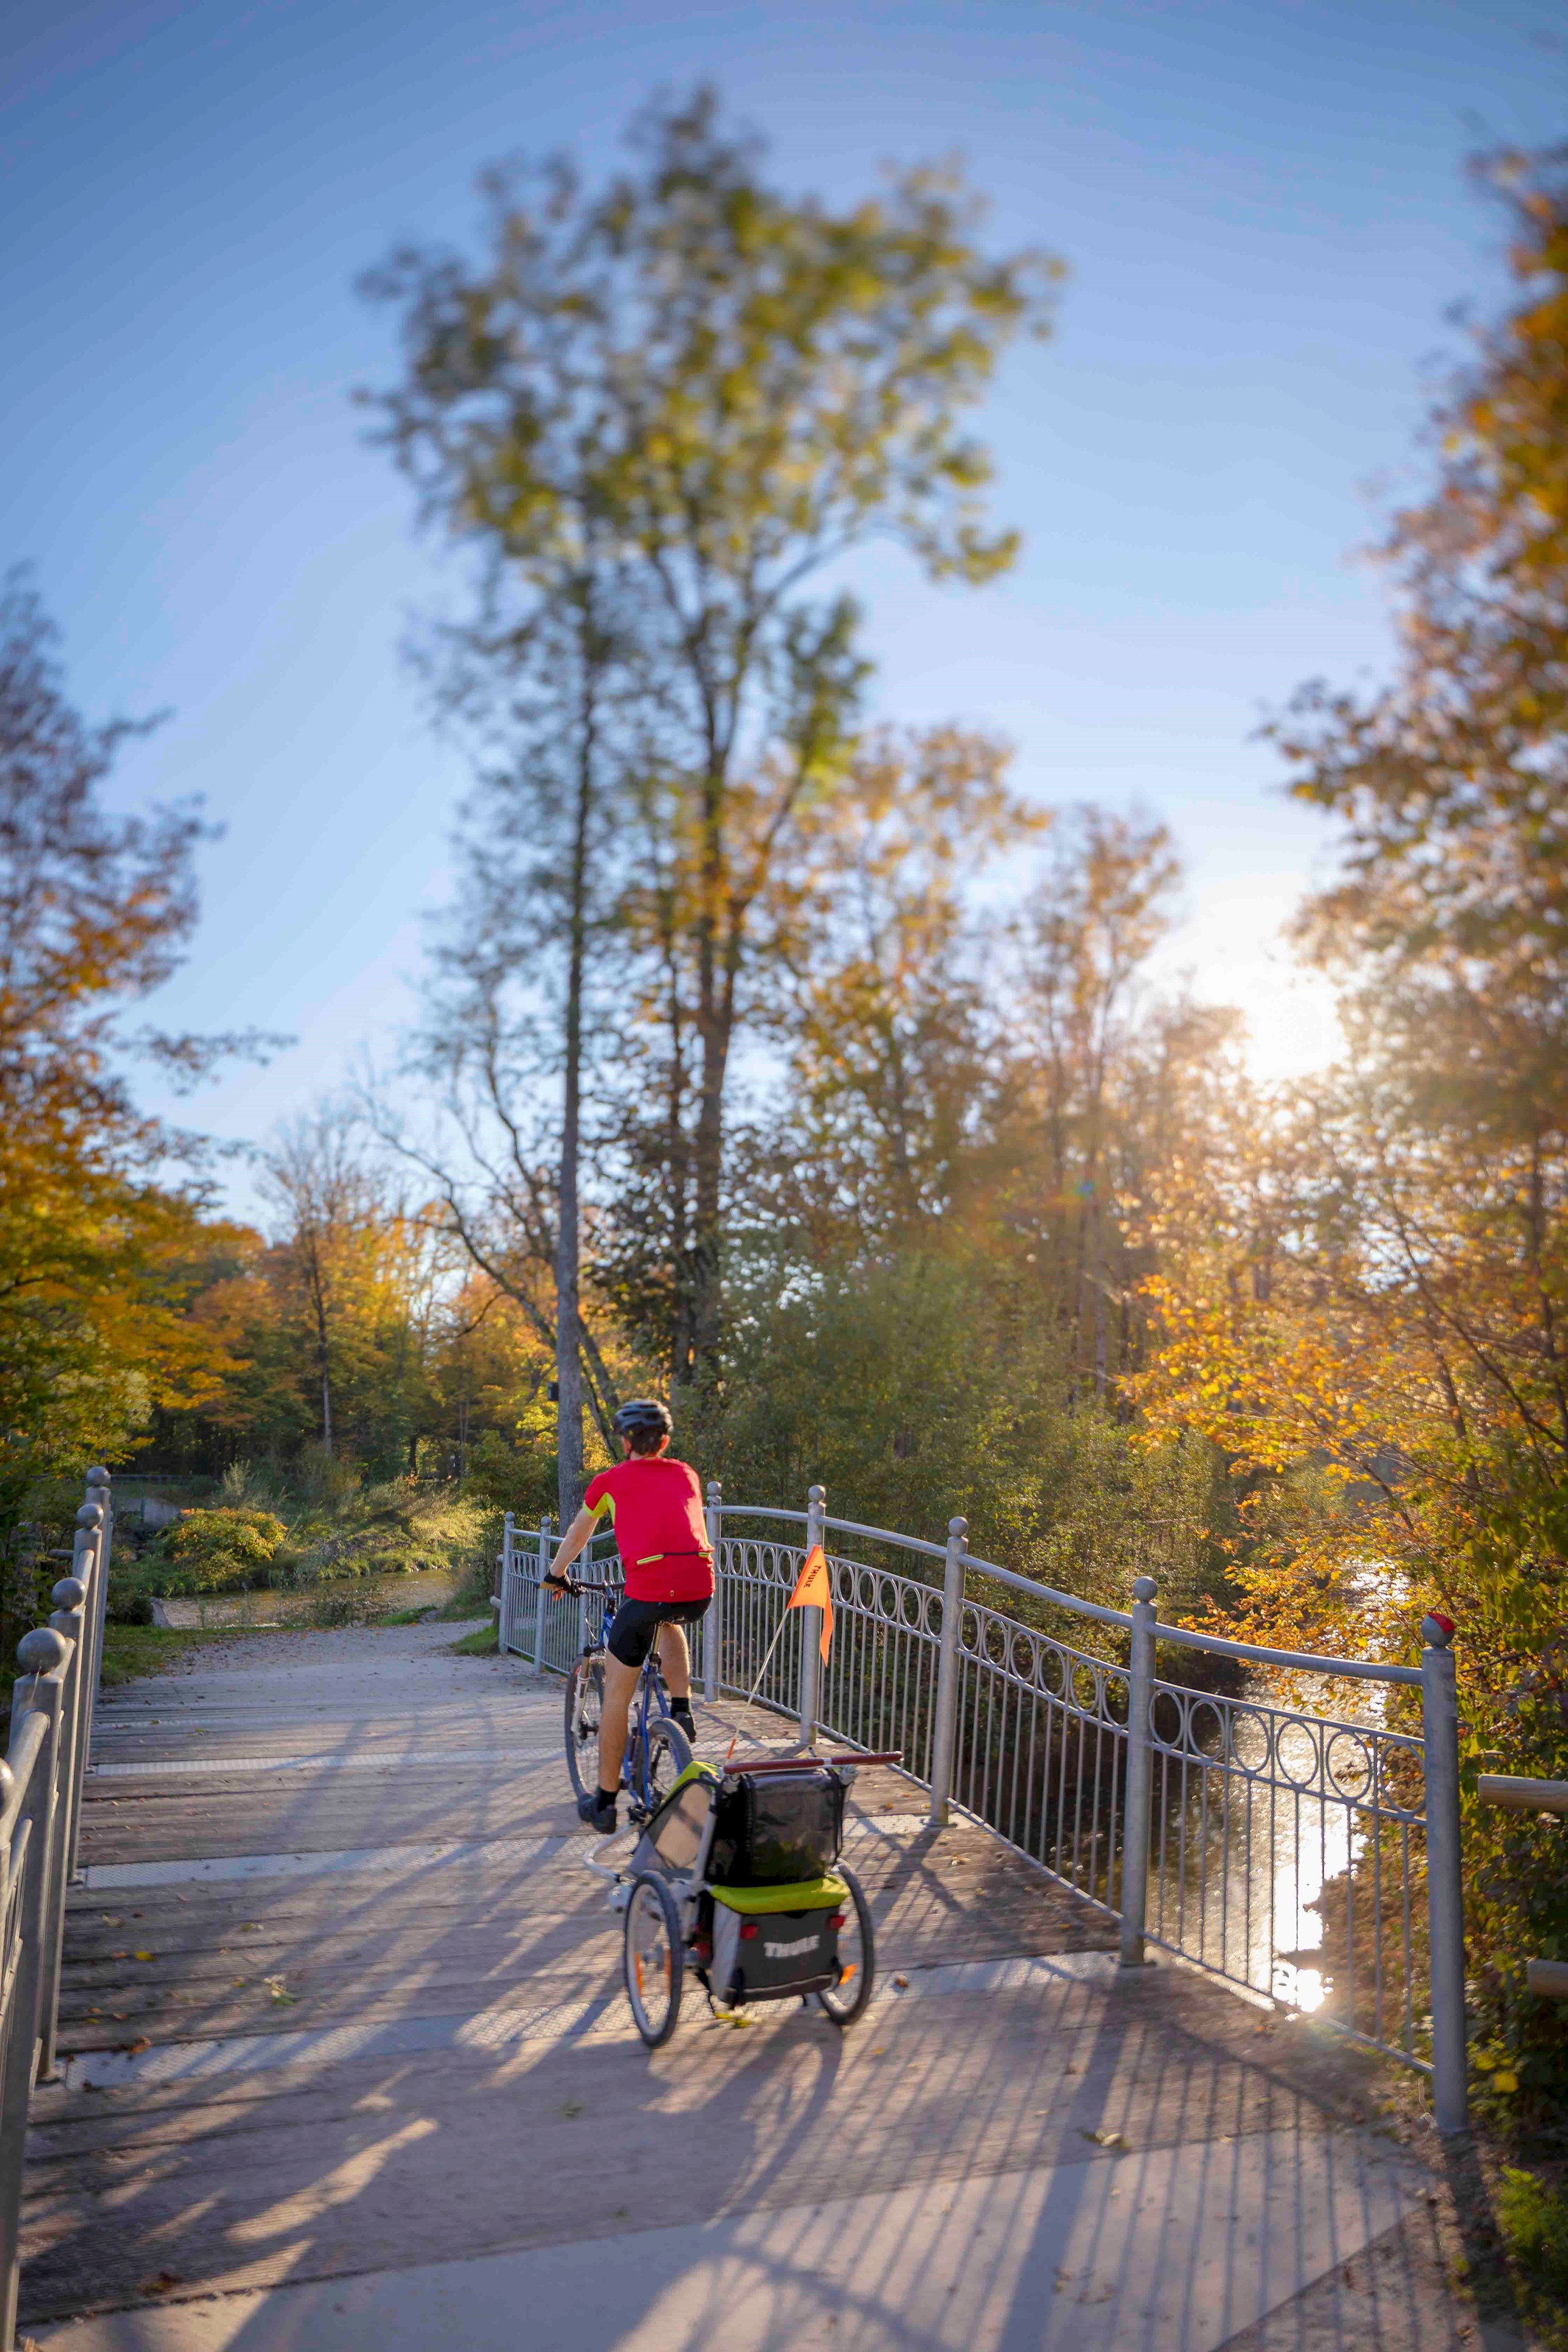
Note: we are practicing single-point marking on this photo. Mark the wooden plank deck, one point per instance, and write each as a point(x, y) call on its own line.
point(342, 2021)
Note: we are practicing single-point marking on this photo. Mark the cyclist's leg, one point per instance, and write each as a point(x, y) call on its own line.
point(619, 1687)
point(630, 1640)
point(675, 1659)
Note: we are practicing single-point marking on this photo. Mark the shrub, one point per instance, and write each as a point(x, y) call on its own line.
point(223, 1549)
point(1534, 2221)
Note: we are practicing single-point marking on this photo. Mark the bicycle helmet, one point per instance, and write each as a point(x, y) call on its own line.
point(642, 1417)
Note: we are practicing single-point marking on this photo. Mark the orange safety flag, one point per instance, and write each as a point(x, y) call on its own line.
point(814, 1590)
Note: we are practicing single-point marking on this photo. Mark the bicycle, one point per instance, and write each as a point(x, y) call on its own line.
point(657, 1752)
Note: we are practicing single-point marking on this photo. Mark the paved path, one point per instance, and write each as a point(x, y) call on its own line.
point(347, 2066)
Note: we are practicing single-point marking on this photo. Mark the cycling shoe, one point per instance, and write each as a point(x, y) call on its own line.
point(599, 1811)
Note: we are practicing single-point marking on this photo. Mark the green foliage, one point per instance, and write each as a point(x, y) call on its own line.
point(918, 1389)
point(223, 1549)
point(1533, 2218)
point(505, 1477)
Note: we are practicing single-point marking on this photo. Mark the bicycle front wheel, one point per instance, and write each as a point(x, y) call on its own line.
point(846, 2000)
point(654, 1960)
point(584, 1706)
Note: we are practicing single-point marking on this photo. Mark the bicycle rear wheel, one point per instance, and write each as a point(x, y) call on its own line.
point(653, 1960)
point(669, 1752)
point(584, 1706)
point(846, 2000)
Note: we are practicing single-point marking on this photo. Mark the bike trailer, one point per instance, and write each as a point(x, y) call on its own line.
point(734, 1830)
point(775, 1943)
point(758, 1852)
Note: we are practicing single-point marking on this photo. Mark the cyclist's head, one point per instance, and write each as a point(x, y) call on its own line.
point(644, 1425)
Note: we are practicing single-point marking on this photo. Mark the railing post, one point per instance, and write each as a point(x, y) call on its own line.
point(1140, 1763)
point(41, 1652)
point(539, 1597)
point(811, 1628)
point(503, 1626)
point(89, 1575)
point(945, 1731)
point(27, 1837)
point(1445, 1885)
point(99, 1491)
point(713, 1629)
point(73, 1618)
point(68, 1623)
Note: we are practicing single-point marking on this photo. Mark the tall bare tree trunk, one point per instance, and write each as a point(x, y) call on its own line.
point(318, 1300)
point(713, 1027)
point(568, 1259)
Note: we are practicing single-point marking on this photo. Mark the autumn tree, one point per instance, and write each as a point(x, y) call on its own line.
point(98, 1220)
point(1371, 1313)
point(712, 391)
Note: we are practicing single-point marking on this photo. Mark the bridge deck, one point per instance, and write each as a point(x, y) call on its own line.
point(346, 2063)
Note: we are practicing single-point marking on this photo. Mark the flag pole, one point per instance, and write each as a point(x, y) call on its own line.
point(762, 1669)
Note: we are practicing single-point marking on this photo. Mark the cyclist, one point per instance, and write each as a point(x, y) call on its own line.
point(657, 1509)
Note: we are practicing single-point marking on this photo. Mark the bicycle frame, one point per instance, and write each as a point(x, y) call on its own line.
point(649, 1680)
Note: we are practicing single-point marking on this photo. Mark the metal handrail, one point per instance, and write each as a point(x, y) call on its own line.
point(1011, 1719)
point(40, 1825)
point(1300, 1662)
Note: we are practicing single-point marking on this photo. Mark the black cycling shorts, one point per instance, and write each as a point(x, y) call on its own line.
point(635, 1623)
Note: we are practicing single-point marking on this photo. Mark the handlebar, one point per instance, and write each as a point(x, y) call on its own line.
point(575, 1586)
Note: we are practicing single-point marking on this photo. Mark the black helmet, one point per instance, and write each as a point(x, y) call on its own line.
point(642, 1417)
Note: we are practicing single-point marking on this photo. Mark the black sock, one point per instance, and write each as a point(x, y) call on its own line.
point(608, 1796)
point(681, 1708)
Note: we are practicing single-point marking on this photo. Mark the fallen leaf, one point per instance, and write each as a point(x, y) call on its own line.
point(142, 1956)
point(1106, 2139)
point(903, 1983)
point(134, 2049)
point(162, 2283)
point(117, 1921)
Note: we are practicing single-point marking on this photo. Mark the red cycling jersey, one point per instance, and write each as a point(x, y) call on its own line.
point(657, 1509)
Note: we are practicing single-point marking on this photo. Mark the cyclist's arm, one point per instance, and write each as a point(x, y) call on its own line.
point(571, 1543)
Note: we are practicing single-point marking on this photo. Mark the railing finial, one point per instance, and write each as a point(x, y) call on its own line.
point(42, 1650)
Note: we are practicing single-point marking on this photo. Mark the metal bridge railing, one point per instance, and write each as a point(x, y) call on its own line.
point(52, 1705)
point(1307, 1855)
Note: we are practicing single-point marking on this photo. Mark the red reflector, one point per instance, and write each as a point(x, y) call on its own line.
point(837, 1920)
point(748, 1929)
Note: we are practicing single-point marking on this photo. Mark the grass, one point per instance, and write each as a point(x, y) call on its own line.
point(484, 1642)
point(1534, 2219)
point(130, 1650)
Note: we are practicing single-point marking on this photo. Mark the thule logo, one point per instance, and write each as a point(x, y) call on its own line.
point(789, 1952)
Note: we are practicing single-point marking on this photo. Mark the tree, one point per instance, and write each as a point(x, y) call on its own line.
point(894, 1076)
point(356, 1279)
point(96, 1242)
point(713, 391)
point(518, 980)
point(1369, 1312)
point(1087, 934)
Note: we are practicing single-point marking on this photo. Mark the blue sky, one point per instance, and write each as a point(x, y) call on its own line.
point(1263, 208)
